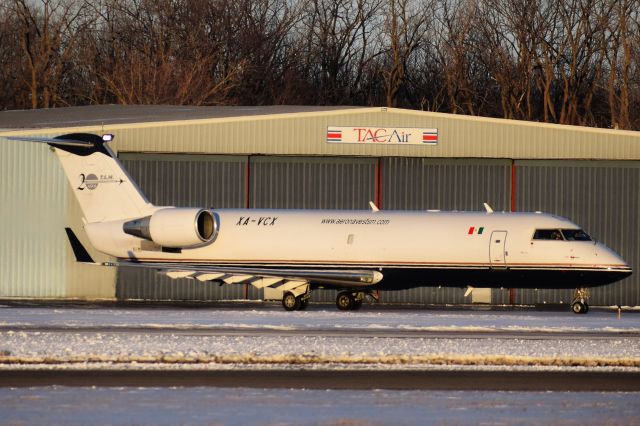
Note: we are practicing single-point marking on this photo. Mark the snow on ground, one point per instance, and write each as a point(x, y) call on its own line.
point(55, 348)
point(57, 405)
point(79, 345)
point(271, 316)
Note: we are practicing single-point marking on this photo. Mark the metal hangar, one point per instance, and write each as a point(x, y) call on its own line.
point(312, 158)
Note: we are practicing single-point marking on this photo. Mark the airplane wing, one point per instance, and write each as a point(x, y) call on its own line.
point(293, 280)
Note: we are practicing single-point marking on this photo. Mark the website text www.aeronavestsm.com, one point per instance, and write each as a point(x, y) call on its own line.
point(346, 221)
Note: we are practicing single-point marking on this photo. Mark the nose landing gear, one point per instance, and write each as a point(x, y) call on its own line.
point(579, 304)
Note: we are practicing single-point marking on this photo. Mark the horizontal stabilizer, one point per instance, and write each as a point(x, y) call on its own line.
point(81, 144)
point(81, 254)
point(53, 141)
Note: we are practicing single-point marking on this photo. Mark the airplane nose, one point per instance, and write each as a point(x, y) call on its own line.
point(607, 256)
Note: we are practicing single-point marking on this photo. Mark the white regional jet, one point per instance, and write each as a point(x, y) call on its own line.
point(356, 252)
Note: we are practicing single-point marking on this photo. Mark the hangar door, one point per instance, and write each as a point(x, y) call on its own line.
point(183, 180)
point(238, 182)
point(312, 183)
point(603, 197)
point(442, 184)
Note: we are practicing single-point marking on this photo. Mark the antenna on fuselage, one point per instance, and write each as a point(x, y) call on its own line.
point(373, 206)
point(488, 208)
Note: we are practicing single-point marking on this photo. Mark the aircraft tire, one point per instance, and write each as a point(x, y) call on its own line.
point(290, 302)
point(579, 308)
point(303, 304)
point(345, 301)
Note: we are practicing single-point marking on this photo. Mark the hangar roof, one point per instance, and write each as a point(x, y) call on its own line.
point(303, 130)
point(120, 114)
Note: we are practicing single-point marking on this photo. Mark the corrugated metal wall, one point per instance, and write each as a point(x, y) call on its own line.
point(423, 184)
point(183, 180)
point(33, 203)
point(219, 181)
point(35, 258)
point(603, 198)
point(312, 183)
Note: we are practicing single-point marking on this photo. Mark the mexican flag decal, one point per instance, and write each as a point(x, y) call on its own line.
point(476, 231)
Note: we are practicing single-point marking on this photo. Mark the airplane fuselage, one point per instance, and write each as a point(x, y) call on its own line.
point(409, 248)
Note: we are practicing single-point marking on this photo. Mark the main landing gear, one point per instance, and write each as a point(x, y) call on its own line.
point(350, 300)
point(291, 302)
point(347, 300)
point(579, 304)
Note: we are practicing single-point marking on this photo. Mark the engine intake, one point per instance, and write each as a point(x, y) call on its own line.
point(175, 227)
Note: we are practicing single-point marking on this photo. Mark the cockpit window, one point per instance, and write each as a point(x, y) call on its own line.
point(561, 235)
point(575, 235)
point(547, 234)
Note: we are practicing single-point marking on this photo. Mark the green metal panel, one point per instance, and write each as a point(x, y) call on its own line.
point(33, 200)
point(35, 207)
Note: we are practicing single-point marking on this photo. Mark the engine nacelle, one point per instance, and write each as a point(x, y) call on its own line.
point(175, 227)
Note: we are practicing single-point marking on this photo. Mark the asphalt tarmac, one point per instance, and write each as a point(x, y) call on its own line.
point(333, 379)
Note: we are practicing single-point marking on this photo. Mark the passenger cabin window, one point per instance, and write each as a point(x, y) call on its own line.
point(561, 235)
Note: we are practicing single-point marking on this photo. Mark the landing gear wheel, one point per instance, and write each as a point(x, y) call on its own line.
point(290, 302)
point(580, 308)
point(303, 304)
point(579, 304)
point(345, 301)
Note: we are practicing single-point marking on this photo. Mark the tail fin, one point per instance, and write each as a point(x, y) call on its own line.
point(103, 188)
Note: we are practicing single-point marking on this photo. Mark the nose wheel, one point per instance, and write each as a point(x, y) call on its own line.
point(579, 304)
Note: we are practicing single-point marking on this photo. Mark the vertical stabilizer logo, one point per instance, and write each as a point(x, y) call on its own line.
point(91, 181)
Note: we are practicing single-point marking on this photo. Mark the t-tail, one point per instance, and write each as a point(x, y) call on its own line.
point(116, 213)
point(103, 188)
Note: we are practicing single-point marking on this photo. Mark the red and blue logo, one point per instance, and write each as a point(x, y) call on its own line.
point(334, 135)
point(430, 137)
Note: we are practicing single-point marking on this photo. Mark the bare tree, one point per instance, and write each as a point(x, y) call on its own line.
point(337, 39)
point(406, 26)
point(564, 61)
point(48, 31)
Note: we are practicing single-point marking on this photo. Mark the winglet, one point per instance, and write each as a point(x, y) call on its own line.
point(81, 254)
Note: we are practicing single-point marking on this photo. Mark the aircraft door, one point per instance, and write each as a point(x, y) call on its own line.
point(496, 248)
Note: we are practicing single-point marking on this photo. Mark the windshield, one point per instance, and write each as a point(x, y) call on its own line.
point(561, 235)
point(575, 235)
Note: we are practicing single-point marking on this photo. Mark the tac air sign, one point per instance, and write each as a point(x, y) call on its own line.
point(382, 135)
